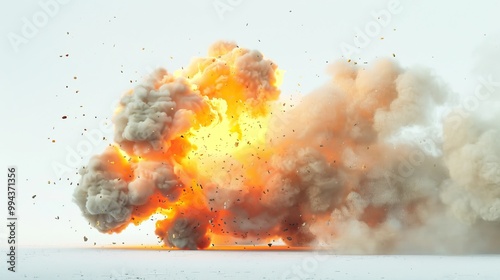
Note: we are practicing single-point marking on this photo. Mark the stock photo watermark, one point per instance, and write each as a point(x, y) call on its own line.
point(308, 267)
point(32, 25)
point(222, 7)
point(372, 29)
point(406, 166)
point(491, 168)
point(12, 222)
point(75, 154)
point(122, 274)
point(483, 91)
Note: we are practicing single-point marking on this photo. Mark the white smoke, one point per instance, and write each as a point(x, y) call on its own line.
point(378, 160)
point(154, 113)
point(102, 194)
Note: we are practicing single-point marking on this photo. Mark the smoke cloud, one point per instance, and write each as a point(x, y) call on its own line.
point(377, 160)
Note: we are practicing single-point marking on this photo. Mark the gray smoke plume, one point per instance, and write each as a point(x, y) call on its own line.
point(380, 159)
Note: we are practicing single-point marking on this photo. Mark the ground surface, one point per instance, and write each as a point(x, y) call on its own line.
point(164, 264)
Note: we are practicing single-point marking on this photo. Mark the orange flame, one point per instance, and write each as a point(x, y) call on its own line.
point(221, 140)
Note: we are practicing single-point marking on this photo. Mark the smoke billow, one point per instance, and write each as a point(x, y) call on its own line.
point(378, 160)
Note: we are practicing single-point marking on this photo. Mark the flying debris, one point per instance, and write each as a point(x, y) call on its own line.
point(360, 165)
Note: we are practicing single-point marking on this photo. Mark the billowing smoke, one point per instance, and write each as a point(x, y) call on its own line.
point(378, 160)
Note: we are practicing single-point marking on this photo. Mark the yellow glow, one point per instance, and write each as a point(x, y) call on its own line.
point(126, 157)
point(227, 137)
point(279, 77)
point(220, 140)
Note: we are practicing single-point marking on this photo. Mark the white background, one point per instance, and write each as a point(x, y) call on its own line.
point(111, 43)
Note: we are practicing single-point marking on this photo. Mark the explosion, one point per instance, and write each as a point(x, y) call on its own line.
point(361, 165)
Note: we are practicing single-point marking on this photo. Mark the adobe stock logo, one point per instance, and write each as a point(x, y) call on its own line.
point(372, 29)
point(85, 147)
point(31, 26)
point(92, 140)
point(224, 6)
